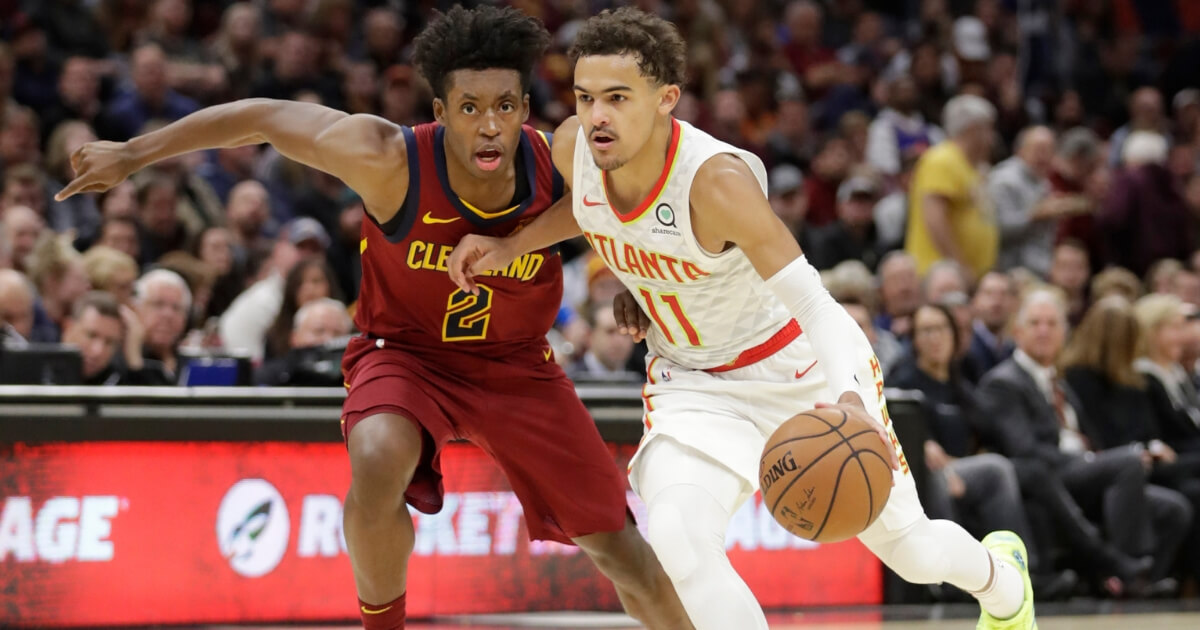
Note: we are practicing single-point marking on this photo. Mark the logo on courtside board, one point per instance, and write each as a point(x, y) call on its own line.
point(253, 527)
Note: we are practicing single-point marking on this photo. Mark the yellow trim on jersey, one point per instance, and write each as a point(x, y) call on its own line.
point(487, 215)
point(542, 134)
point(362, 246)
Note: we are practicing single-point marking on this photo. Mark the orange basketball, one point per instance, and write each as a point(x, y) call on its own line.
point(825, 475)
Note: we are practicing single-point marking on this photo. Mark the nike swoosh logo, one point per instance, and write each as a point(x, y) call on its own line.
point(547, 352)
point(429, 220)
point(800, 374)
point(590, 203)
point(375, 612)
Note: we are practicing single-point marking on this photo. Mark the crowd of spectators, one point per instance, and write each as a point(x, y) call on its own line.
point(1005, 195)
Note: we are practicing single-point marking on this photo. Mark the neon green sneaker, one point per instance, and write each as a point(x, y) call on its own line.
point(1008, 547)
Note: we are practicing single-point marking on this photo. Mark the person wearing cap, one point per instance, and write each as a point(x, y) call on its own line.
point(971, 48)
point(785, 191)
point(949, 215)
point(1026, 209)
point(852, 236)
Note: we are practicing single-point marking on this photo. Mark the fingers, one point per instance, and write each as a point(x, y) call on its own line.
point(70, 189)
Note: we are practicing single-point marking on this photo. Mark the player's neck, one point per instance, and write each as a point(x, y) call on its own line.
point(631, 183)
point(490, 194)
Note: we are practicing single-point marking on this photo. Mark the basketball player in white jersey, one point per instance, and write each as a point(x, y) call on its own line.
point(743, 334)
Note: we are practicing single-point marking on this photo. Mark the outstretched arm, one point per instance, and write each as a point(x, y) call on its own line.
point(365, 152)
point(729, 206)
point(476, 254)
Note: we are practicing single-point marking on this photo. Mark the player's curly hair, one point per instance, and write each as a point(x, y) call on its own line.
point(482, 38)
point(661, 51)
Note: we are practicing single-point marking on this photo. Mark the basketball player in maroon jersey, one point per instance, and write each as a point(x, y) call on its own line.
point(435, 363)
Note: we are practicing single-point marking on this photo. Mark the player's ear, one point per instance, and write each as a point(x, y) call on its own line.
point(525, 108)
point(668, 98)
point(439, 110)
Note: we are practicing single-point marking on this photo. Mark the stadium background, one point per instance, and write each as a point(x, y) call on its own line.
point(116, 498)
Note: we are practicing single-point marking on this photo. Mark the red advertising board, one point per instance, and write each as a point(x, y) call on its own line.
point(148, 533)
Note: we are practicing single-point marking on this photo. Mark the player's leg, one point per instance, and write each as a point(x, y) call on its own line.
point(384, 452)
point(690, 499)
point(645, 591)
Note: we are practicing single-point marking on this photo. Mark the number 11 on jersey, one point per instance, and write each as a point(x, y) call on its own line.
point(672, 302)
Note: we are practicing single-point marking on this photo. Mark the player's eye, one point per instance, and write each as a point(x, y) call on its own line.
point(468, 108)
point(508, 108)
point(617, 98)
point(584, 98)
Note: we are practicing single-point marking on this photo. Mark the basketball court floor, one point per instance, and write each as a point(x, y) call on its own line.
point(1089, 615)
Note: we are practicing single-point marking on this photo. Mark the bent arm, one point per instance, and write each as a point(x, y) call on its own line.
point(558, 223)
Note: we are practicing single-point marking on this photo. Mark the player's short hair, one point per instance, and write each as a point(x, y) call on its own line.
point(483, 38)
point(660, 49)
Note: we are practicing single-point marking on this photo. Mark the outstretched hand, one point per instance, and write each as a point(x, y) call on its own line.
point(474, 255)
point(98, 166)
point(630, 318)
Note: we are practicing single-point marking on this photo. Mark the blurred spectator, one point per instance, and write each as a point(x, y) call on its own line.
point(78, 96)
point(310, 280)
point(1172, 392)
point(399, 99)
point(22, 228)
point(946, 218)
point(225, 168)
point(1040, 419)
point(1077, 159)
point(196, 204)
point(189, 68)
point(16, 305)
point(247, 213)
point(785, 191)
point(1145, 114)
point(24, 185)
point(1145, 217)
point(790, 141)
point(603, 285)
point(79, 213)
point(981, 488)
point(993, 304)
point(112, 271)
point(382, 31)
point(1115, 281)
point(214, 247)
point(830, 166)
point(345, 254)
point(900, 129)
point(119, 202)
point(1185, 285)
point(608, 350)
point(95, 328)
point(245, 323)
point(122, 235)
point(943, 278)
point(815, 64)
point(1069, 271)
point(58, 273)
point(297, 69)
point(162, 301)
point(149, 97)
point(161, 231)
point(1026, 210)
point(71, 27)
point(307, 362)
point(852, 236)
point(1160, 273)
point(200, 279)
point(1098, 365)
point(237, 47)
point(19, 137)
point(887, 348)
point(899, 292)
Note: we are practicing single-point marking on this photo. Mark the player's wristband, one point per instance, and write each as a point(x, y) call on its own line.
point(831, 331)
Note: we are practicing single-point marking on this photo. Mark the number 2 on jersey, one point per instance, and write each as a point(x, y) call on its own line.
point(467, 315)
point(672, 302)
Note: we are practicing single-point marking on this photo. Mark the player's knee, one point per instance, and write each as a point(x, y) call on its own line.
point(384, 451)
point(673, 542)
point(620, 556)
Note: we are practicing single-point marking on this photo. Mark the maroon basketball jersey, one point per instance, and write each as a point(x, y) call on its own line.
point(407, 297)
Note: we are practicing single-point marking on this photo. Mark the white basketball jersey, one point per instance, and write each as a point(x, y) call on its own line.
point(705, 308)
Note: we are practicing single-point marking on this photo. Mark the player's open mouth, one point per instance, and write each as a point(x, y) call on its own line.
point(488, 159)
point(602, 140)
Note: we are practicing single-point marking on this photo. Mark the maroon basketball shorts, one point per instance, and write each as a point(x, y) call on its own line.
point(522, 411)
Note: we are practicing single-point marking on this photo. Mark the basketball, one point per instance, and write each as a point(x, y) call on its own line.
point(825, 475)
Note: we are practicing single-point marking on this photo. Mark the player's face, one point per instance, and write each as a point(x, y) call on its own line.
point(617, 106)
point(483, 113)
